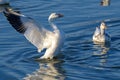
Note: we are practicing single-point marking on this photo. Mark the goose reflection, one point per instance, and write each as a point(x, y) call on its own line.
point(101, 50)
point(48, 71)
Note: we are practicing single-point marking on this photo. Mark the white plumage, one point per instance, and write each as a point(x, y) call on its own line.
point(100, 35)
point(37, 35)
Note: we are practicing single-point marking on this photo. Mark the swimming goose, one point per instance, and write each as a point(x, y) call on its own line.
point(39, 36)
point(100, 35)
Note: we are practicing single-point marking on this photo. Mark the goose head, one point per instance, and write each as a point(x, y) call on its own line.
point(54, 16)
point(103, 26)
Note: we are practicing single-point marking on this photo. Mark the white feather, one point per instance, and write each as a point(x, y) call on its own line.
point(100, 35)
point(38, 35)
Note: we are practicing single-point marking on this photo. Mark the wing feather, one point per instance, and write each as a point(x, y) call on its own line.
point(97, 31)
point(35, 34)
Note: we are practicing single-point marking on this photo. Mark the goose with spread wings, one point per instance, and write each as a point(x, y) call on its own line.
point(40, 37)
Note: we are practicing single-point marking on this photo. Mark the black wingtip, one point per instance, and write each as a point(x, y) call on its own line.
point(14, 19)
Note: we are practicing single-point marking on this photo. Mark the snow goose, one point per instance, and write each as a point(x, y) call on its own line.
point(100, 35)
point(39, 36)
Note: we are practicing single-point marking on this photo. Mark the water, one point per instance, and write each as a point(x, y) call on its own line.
point(79, 59)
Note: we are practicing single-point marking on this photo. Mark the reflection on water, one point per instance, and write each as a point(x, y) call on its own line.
point(83, 59)
point(105, 2)
point(49, 70)
point(101, 50)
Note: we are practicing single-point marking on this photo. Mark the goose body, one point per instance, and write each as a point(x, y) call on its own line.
point(39, 36)
point(100, 35)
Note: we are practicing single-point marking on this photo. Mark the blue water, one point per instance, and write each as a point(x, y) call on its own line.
point(79, 59)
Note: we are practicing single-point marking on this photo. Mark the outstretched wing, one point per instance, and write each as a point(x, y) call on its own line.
point(28, 27)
